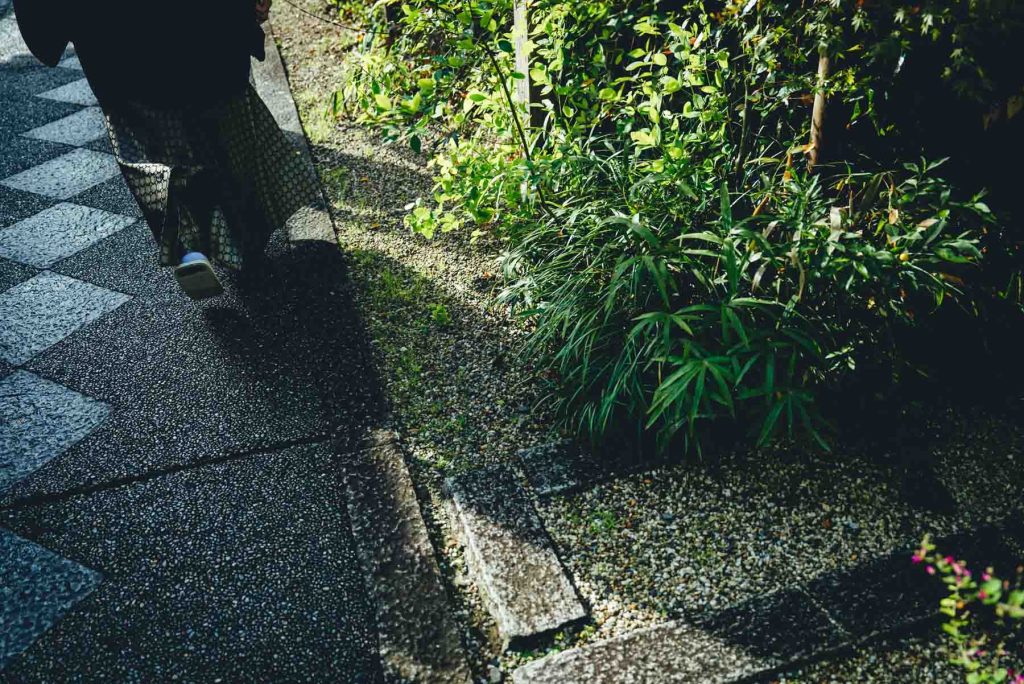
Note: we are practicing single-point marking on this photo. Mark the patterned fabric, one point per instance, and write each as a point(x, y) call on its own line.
point(218, 179)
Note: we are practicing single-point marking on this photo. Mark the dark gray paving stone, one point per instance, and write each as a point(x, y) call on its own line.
point(44, 310)
point(12, 273)
point(110, 195)
point(32, 112)
point(57, 233)
point(21, 153)
point(16, 205)
point(66, 175)
point(243, 570)
point(282, 359)
point(39, 420)
point(37, 587)
point(101, 145)
point(739, 645)
point(418, 635)
point(525, 587)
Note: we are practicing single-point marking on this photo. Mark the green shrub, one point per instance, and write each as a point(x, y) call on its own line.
point(983, 617)
point(677, 260)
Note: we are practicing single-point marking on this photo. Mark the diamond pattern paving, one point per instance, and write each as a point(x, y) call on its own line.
point(77, 129)
point(71, 63)
point(39, 419)
point(57, 233)
point(36, 588)
point(44, 310)
point(76, 92)
point(66, 175)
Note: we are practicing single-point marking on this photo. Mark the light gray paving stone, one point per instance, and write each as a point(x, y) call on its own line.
point(39, 420)
point(57, 233)
point(46, 309)
point(66, 175)
point(37, 587)
point(71, 63)
point(524, 585)
point(76, 129)
point(76, 92)
point(419, 639)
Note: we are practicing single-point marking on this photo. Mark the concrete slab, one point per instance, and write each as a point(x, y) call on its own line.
point(518, 573)
point(419, 639)
point(243, 570)
point(738, 645)
point(46, 309)
point(283, 358)
point(66, 175)
point(75, 129)
point(39, 420)
point(77, 92)
point(890, 593)
point(57, 233)
point(38, 587)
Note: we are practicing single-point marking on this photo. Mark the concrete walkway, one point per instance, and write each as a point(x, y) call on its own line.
point(170, 502)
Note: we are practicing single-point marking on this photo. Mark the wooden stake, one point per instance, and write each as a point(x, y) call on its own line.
point(818, 113)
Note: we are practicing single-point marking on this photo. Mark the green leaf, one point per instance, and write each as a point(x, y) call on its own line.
point(505, 46)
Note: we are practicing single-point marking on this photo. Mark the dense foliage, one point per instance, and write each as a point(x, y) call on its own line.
point(983, 617)
point(684, 251)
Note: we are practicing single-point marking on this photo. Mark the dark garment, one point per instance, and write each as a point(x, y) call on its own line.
point(163, 54)
point(214, 178)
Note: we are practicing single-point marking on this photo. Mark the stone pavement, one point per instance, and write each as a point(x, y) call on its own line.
point(170, 499)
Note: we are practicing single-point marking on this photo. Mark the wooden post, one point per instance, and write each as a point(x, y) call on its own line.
point(524, 89)
point(818, 113)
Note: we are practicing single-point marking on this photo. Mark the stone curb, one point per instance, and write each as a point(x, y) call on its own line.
point(524, 586)
point(271, 79)
point(419, 639)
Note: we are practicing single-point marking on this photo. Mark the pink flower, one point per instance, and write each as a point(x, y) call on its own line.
point(930, 570)
point(982, 594)
point(949, 559)
point(985, 576)
point(916, 558)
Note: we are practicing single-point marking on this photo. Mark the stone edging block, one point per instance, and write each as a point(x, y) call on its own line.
point(419, 639)
point(523, 583)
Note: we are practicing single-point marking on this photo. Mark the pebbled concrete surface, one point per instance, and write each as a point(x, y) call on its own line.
point(242, 570)
point(756, 637)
